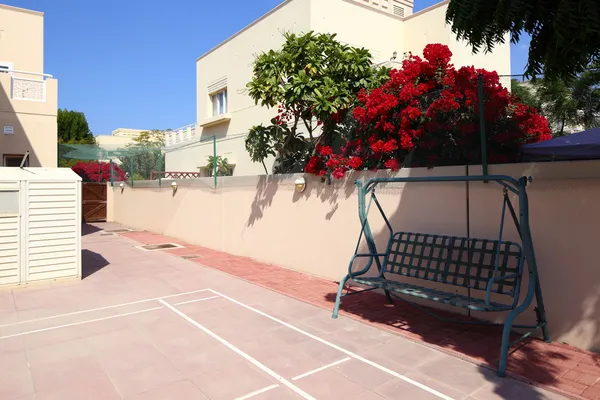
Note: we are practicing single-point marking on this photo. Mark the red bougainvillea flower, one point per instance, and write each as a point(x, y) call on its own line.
point(94, 171)
point(430, 110)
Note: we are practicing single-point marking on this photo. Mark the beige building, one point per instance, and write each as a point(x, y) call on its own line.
point(120, 137)
point(28, 96)
point(226, 112)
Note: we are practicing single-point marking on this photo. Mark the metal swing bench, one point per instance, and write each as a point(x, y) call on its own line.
point(490, 267)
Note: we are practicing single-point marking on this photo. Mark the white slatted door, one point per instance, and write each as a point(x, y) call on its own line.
point(52, 230)
point(9, 236)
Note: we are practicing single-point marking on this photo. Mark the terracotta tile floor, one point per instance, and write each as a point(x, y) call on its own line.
point(152, 325)
point(560, 367)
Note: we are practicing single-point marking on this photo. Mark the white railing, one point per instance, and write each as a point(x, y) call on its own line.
point(181, 135)
point(28, 88)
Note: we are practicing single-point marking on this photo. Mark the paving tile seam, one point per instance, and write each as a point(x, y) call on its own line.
point(444, 350)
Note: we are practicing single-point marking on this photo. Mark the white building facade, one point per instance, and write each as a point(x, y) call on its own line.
point(225, 112)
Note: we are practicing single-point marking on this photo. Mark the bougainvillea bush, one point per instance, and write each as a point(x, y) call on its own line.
point(94, 171)
point(427, 114)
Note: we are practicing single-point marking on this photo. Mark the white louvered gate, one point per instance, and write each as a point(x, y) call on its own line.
point(40, 225)
point(10, 245)
point(52, 229)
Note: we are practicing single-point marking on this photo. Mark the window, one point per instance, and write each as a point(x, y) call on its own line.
point(14, 160)
point(219, 103)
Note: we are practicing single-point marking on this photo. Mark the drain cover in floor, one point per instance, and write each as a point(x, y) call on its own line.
point(118, 230)
point(160, 246)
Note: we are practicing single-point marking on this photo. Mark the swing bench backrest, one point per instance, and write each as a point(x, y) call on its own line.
point(456, 261)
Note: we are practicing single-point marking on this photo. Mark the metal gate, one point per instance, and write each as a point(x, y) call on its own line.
point(94, 197)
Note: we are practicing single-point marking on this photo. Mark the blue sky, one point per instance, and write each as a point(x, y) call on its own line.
point(131, 63)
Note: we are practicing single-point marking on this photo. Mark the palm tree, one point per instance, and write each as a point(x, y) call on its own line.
point(222, 166)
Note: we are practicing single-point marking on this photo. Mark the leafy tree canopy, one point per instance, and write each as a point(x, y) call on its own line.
point(565, 102)
point(565, 34)
point(145, 155)
point(73, 128)
point(312, 79)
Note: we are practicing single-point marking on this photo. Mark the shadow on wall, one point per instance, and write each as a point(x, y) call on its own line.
point(12, 146)
point(329, 193)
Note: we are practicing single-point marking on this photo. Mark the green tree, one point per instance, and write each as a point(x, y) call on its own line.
point(586, 93)
point(144, 155)
point(570, 101)
point(222, 166)
point(557, 103)
point(525, 93)
point(565, 34)
point(73, 128)
point(313, 79)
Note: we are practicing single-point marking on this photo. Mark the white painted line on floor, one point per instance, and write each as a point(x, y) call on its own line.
point(338, 348)
point(79, 323)
point(263, 367)
point(195, 301)
point(103, 308)
point(323, 368)
point(309, 373)
point(261, 391)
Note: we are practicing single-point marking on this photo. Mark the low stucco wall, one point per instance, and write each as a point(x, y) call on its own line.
point(315, 232)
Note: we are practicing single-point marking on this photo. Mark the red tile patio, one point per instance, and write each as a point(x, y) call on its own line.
point(555, 366)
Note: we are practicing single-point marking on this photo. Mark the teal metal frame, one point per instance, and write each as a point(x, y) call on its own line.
point(516, 186)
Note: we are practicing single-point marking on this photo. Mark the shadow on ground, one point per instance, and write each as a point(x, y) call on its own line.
point(91, 263)
point(532, 359)
point(88, 229)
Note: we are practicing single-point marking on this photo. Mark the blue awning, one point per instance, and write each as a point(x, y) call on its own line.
point(577, 146)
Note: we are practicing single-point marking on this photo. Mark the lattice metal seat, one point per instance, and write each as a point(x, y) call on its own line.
point(480, 268)
point(438, 296)
point(455, 261)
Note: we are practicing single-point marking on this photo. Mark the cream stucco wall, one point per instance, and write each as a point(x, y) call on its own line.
point(33, 121)
point(358, 26)
point(22, 38)
point(233, 60)
point(315, 232)
point(429, 26)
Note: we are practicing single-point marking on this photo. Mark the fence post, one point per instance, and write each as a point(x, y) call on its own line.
point(215, 160)
point(111, 172)
point(160, 167)
point(484, 162)
point(131, 168)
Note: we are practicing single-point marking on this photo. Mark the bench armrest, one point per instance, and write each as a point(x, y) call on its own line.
point(366, 269)
point(488, 291)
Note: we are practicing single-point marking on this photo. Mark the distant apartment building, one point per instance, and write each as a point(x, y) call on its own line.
point(28, 96)
point(226, 112)
point(120, 137)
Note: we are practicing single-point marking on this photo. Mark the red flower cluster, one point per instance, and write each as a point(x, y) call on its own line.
point(93, 171)
point(430, 110)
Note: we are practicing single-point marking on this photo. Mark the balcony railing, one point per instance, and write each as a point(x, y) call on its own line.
point(27, 85)
point(181, 135)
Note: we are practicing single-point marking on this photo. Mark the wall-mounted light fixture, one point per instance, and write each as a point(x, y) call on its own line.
point(122, 186)
point(300, 184)
point(174, 186)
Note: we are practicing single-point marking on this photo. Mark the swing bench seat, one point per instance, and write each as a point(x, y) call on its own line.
point(475, 274)
point(451, 261)
point(452, 299)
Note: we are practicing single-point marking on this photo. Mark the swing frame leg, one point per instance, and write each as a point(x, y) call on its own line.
point(338, 298)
